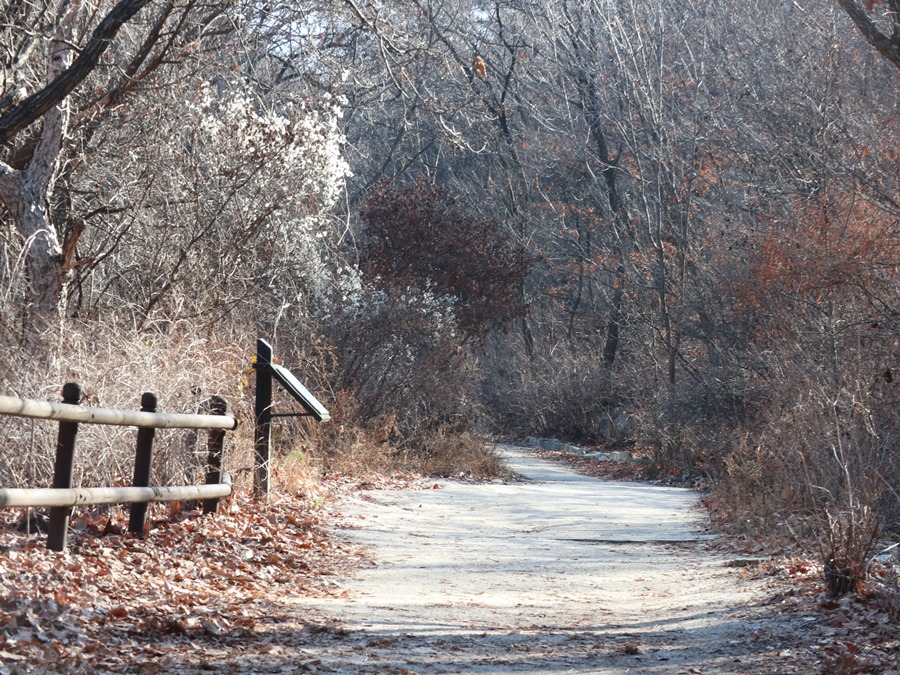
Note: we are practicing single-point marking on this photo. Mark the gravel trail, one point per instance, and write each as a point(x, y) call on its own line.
point(557, 574)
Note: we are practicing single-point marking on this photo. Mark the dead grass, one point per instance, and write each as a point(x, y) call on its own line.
point(184, 367)
point(114, 367)
point(464, 454)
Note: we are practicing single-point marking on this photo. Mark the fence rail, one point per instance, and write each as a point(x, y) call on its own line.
point(10, 497)
point(66, 412)
point(62, 496)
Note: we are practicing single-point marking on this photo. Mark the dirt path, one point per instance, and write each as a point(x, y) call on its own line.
point(562, 573)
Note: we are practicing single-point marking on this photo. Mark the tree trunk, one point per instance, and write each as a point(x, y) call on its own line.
point(47, 277)
point(887, 45)
point(26, 193)
point(591, 107)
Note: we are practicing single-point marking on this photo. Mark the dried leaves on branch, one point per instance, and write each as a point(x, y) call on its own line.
point(419, 235)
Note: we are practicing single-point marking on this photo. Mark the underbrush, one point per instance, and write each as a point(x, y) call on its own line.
point(458, 454)
point(561, 393)
point(184, 366)
point(114, 367)
point(363, 452)
point(823, 473)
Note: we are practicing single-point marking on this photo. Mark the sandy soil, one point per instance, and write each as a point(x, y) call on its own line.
point(557, 574)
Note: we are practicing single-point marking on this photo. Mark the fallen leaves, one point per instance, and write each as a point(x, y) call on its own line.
point(116, 602)
point(586, 466)
point(860, 633)
point(853, 634)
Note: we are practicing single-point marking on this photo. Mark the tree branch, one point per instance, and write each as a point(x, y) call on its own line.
point(36, 105)
point(371, 25)
point(888, 46)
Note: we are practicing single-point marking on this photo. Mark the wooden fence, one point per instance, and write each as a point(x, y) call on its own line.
point(61, 496)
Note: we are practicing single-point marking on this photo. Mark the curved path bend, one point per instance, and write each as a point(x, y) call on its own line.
point(558, 574)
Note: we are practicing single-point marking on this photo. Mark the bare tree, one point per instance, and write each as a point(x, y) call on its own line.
point(26, 191)
point(230, 173)
point(73, 53)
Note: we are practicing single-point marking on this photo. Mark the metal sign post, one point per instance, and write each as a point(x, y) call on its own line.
point(263, 415)
point(266, 371)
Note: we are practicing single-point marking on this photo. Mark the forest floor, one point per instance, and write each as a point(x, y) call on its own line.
point(554, 572)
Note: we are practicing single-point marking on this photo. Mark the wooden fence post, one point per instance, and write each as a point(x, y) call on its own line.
point(143, 459)
point(215, 444)
point(62, 471)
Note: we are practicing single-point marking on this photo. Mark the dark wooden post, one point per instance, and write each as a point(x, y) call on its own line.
point(143, 459)
point(263, 413)
point(217, 406)
point(62, 471)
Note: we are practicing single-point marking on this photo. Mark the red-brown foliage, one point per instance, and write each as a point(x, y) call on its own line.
point(418, 236)
point(838, 244)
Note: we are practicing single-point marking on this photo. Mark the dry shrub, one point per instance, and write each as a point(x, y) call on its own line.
point(401, 367)
point(755, 487)
point(675, 442)
point(418, 236)
point(354, 450)
point(447, 454)
point(672, 455)
point(847, 536)
point(114, 366)
point(364, 451)
point(845, 478)
point(824, 469)
point(693, 427)
point(561, 393)
point(293, 474)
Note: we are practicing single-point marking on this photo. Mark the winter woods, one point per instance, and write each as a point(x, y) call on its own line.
point(518, 217)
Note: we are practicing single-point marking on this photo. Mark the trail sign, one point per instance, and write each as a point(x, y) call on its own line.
point(266, 371)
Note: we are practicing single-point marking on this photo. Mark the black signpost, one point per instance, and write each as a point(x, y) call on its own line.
point(266, 371)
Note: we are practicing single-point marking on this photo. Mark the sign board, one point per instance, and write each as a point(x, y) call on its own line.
point(266, 371)
point(300, 393)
